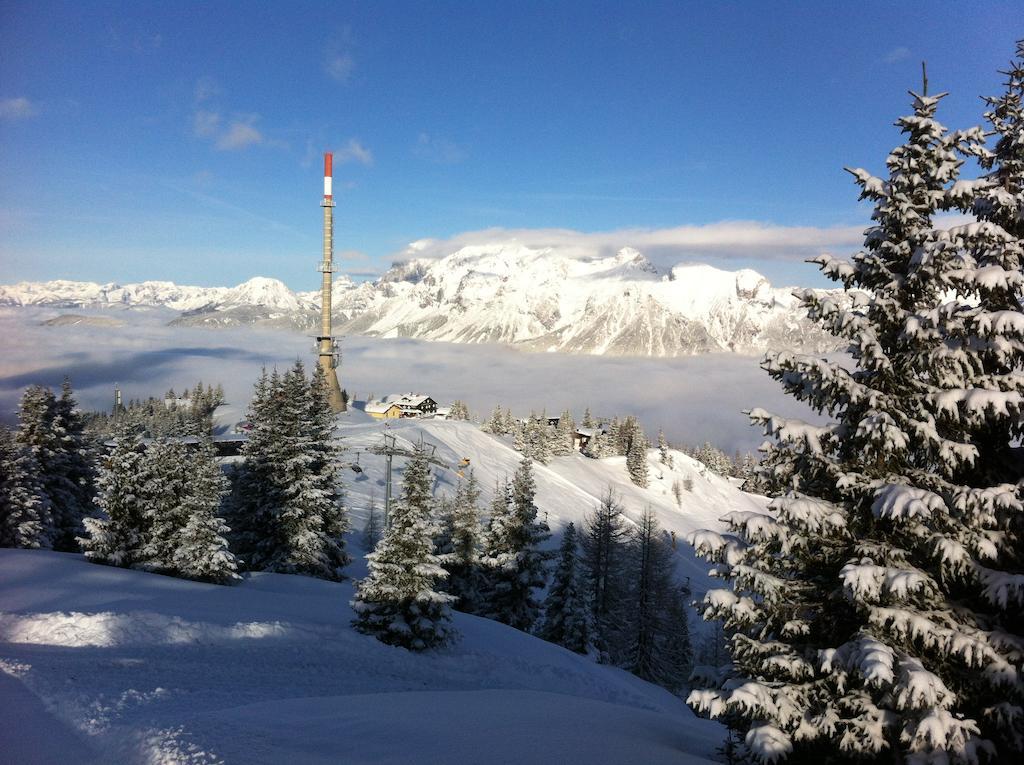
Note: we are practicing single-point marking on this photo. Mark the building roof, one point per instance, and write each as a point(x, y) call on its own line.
point(407, 399)
point(380, 407)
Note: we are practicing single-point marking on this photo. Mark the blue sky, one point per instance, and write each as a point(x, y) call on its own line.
point(182, 141)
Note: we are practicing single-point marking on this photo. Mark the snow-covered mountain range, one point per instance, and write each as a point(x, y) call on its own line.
point(535, 298)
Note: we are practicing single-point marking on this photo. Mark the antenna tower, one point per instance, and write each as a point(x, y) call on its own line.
point(328, 353)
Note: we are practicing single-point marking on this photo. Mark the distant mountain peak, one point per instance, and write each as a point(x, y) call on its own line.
point(535, 297)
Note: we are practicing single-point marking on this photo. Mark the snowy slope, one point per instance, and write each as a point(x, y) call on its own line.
point(568, 488)
point(536, 298)
point(105, 665)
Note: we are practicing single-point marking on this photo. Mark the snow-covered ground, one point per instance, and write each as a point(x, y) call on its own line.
point(567, 488)
point(105, 665)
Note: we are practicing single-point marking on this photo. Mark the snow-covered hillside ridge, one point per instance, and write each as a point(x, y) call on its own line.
point(568, 488)
point(99, 664)
point(534, 298)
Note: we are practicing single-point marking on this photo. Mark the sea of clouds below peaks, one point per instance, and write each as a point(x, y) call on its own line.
point(695, 399)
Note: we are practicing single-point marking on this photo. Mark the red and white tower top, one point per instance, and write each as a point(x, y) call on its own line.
point(328, 173)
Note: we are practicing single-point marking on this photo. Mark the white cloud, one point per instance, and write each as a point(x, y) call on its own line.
point(440, 150)
point(354, 151)
point(896, 55)
point(736, 240)
point(695, 399)
point(17, 108)
point(239, 134)
point(340, 66)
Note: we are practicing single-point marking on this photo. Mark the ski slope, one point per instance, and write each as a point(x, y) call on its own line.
point(105, 665)
point(568, 488)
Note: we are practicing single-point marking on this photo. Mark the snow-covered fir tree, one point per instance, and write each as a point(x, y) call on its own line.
point(51, 429)
point(287, 507)
point(636, 462)
point(658, 644)
point(998, 197)
point(442, 521)
point(588, 419)
point(563, 440)
point(161, 502)
point(168, 470)
point(199, 548)
point(24, 507)
point(398, 602)
point(537, 438)
point(876, 609)
point(458, 411)
point(512, 562)
point(119, 535)
point(568, 618)
point(496, 424)
point(614, 434)
point(519, 436)
point(600, 445)
point(254, 483)
point(634, 444)
point(663, 453)
point(461, 558)
point(73, 494)
point(714, 459)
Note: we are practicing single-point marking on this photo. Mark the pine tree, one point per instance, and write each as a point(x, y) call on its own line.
point(876, 610)
point(287, 506)
point(51, 430)
point(598, 446)
point(635, 445)
point(254, 490)
point(512, 561)
point(168, 468)
point(119, 536)
point(496, 424)
point(520, 439)
point(568, 620)
point(615, 438)
point(461, 559)
point(663, 453)
point(24, 507)
point(397, 602)
point(76, 489)
point(588, 420)
point(199, 549)
point(998, 197)
point(714, 459)
point(458, 411)
point(536, 438)
point(564, 436)
point(658, 646)
point(605, 558)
